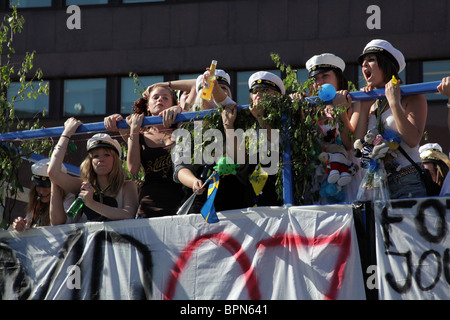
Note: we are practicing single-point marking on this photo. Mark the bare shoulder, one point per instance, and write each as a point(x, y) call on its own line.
point(129, 185)
point(414, 100)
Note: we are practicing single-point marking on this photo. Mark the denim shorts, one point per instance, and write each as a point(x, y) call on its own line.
point(408, 186)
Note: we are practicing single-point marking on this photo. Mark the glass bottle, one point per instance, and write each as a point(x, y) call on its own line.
point(209, 84)
point(75, 207)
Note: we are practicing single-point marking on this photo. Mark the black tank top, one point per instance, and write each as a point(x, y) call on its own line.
point(91, 215)
point(160, 195)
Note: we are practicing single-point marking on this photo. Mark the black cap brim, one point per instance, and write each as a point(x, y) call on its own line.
point(223, 82)
point(38, 182)
point(103, 145)
point(382, 51)
point(264, 84)
point(319, 71)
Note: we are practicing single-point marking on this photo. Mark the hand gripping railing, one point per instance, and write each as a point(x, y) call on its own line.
point(406, 90)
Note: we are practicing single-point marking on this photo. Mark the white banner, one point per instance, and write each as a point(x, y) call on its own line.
point(413, 249)
point(266, 253)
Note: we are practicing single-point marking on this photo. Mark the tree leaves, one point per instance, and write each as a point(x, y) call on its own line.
point(13, 152)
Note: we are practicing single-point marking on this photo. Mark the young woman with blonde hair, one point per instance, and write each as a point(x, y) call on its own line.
point(102, 185)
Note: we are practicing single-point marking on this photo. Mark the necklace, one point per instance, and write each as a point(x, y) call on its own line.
point(381, 106)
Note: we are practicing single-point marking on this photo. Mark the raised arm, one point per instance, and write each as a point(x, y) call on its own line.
point(185, 85)
point(110, 123)
point(134, 151)
point(363, 119)
point(69, 183)
point(57, 212)
point(349, 117)
point(410, 114)
point(444, 88)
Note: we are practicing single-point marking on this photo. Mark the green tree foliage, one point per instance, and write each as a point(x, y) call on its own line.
point(138, 178)
point(297, 121)
point(301, 129)
point(14, 67)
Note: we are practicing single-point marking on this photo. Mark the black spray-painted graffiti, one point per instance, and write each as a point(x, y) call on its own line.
point(441, 261)
point(12, 273)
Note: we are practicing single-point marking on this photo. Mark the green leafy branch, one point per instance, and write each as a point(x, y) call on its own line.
point(16, 68)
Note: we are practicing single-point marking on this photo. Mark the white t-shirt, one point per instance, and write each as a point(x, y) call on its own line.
point(389, 121)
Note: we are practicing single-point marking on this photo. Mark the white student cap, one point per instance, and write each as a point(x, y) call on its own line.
point(103, 140)
point(430, 146)
point(221, 76)
point(324, 62)
point(384, 47)
point(432, 152)
point(39, 174)
point(264, 79)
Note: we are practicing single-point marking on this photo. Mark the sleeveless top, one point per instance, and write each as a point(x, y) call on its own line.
point(159, 195)
point(389, 123)
point(91, 215)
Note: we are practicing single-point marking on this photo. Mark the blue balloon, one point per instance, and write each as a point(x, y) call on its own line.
point(327, 92)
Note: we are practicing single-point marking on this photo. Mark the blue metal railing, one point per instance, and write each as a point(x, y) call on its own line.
point(413, 89)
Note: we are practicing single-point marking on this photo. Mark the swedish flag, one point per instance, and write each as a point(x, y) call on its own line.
point(208, 210)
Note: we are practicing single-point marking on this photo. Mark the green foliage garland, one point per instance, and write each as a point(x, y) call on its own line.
point(10, 70)
point(301, 125)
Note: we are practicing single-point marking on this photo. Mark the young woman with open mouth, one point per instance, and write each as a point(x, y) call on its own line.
point(406, 116)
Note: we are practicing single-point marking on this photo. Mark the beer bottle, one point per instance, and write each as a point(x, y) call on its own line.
point(209, 84)
point(75, 207)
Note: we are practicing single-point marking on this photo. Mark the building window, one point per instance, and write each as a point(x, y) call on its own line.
point(30, 3)
point(188, 76)
point(435, 71)
point(29, 107)
point(243, 94)
point(131, 91)
point(302, 75)
point(85, 2)
point(85, 97)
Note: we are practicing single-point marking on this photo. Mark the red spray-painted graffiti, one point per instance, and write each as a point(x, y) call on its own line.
point(233, 246)
point(341, 239)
